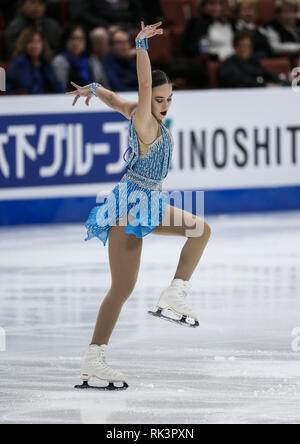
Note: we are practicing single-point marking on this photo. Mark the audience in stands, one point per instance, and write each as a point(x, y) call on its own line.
point(284, 31)
point(246, 20)
point(94, 13)
point(242, 70)
point(193, 72)
point(99, 43)
point(73, 64)
point(211, 33)
point(109, 55)
point(33, 13)
point(31, 70)
point(120, 63)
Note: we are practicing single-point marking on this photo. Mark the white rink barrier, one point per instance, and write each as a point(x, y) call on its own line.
point(242, 147)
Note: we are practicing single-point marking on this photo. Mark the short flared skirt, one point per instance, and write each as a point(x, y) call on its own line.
point(146, 206)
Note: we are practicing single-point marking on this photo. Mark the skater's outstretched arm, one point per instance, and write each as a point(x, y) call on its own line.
point(108, 97)
point(144, 120)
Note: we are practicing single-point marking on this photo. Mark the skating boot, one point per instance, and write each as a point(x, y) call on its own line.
point(173, 305)
point(94, 366)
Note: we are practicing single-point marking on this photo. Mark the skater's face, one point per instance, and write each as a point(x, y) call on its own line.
point(161, 100)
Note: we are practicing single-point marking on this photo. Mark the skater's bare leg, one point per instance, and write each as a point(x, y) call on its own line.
point(177, 222)
point(124, 258)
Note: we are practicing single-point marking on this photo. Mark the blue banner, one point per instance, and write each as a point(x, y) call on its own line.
point(62, 149)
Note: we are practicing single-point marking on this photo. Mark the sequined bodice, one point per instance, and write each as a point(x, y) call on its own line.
point(155, 164)
point(151, 164)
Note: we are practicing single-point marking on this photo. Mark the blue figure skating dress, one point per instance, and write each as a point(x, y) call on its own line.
point(139, 192)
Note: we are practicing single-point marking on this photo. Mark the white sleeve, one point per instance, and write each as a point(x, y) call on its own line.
point(278, 46)
point(62, 69)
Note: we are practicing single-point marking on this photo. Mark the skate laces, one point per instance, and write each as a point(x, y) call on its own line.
point(100, 360)
point(101, 356)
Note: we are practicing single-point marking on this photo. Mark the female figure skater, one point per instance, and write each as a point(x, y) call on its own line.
point(151, 145)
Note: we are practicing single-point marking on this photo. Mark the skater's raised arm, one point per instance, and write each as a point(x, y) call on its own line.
point(144, 119)
point(143, 116)
point(108, 97)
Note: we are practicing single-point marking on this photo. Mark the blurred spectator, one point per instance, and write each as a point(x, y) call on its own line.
point(95, 13)
point(246, 14)
point(242, 70)
point(73, 64)
point(99, 39)
point(284, 31)
point(212, 32)
point(31, 70)
point(32, 13)
point(119, 64)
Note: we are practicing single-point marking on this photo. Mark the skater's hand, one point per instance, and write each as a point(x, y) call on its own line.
point(149, 31)
point(81, 91)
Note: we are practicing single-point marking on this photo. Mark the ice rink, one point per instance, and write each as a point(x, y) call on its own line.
point(241, 366)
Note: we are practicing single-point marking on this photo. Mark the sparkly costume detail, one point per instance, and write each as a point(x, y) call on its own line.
point(141, 44)
point(139, 192)
point(93, 88)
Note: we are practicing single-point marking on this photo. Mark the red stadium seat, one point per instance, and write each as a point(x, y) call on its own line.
point(266, 11)
point(4, 65)
point(176, 12)
point(195, 4)
point(176, 33)
point(213, 72)
point(278, 66)
point(160, 47)
point(65, 12)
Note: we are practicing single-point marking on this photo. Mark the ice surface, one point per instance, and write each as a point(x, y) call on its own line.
point(237, 367)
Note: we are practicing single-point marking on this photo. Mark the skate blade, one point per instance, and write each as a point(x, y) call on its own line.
point(110, 387)
point(183, 321)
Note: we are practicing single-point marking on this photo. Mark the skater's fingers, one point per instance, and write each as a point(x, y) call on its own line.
point(76, 86)
point(156, 24)
point(75, 100)
point(156, 32)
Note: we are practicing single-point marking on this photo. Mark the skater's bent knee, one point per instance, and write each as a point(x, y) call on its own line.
point(199, 229)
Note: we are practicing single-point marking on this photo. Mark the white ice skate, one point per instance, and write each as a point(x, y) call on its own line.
point(173, 305)
point(94, 366)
